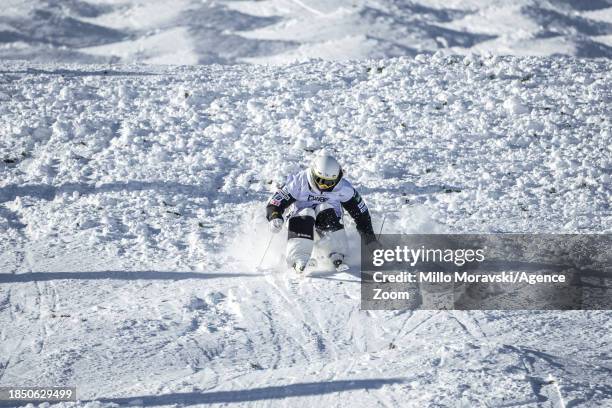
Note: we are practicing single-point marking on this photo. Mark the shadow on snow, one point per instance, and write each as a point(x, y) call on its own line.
point(256, 394)
point(116, 275)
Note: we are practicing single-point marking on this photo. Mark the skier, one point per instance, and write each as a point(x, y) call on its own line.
point(314, 199)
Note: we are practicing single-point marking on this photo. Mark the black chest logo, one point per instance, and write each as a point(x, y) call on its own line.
point(320, 199)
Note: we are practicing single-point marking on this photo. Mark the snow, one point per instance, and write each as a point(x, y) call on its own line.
point(132, 222)
point(284, 31)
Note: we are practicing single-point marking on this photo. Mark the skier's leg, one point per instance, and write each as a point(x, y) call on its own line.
point(333, 237)
point(300, 237)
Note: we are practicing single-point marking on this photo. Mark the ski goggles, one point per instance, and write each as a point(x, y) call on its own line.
point(324, 183)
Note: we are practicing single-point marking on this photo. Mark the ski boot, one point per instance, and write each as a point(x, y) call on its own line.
point(299, 266)
point(338, 261)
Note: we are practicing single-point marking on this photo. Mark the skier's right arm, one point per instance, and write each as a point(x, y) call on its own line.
point(278, 203)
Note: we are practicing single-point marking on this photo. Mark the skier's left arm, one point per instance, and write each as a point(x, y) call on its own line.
point(358, 210)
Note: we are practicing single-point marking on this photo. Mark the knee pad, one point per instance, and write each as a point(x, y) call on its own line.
point(301, 225)
point(328, 220)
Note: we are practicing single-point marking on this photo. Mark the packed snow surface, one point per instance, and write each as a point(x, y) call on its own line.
point(132, 221)
point(278, 31)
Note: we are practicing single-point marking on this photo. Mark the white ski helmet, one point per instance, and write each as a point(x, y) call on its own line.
point(324, 173)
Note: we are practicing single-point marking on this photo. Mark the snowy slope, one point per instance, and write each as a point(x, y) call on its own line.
point(131, 225)
point(279, 31)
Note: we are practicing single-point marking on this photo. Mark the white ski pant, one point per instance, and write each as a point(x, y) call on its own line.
point(329, 229)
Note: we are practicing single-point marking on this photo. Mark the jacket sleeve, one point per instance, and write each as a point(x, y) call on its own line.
point(278, 203)
point(358, 210)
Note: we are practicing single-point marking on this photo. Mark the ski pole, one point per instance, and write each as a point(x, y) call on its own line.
point(265, 252)
point(382, 225)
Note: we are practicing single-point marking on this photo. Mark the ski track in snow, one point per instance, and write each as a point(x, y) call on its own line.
point(132, 223)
